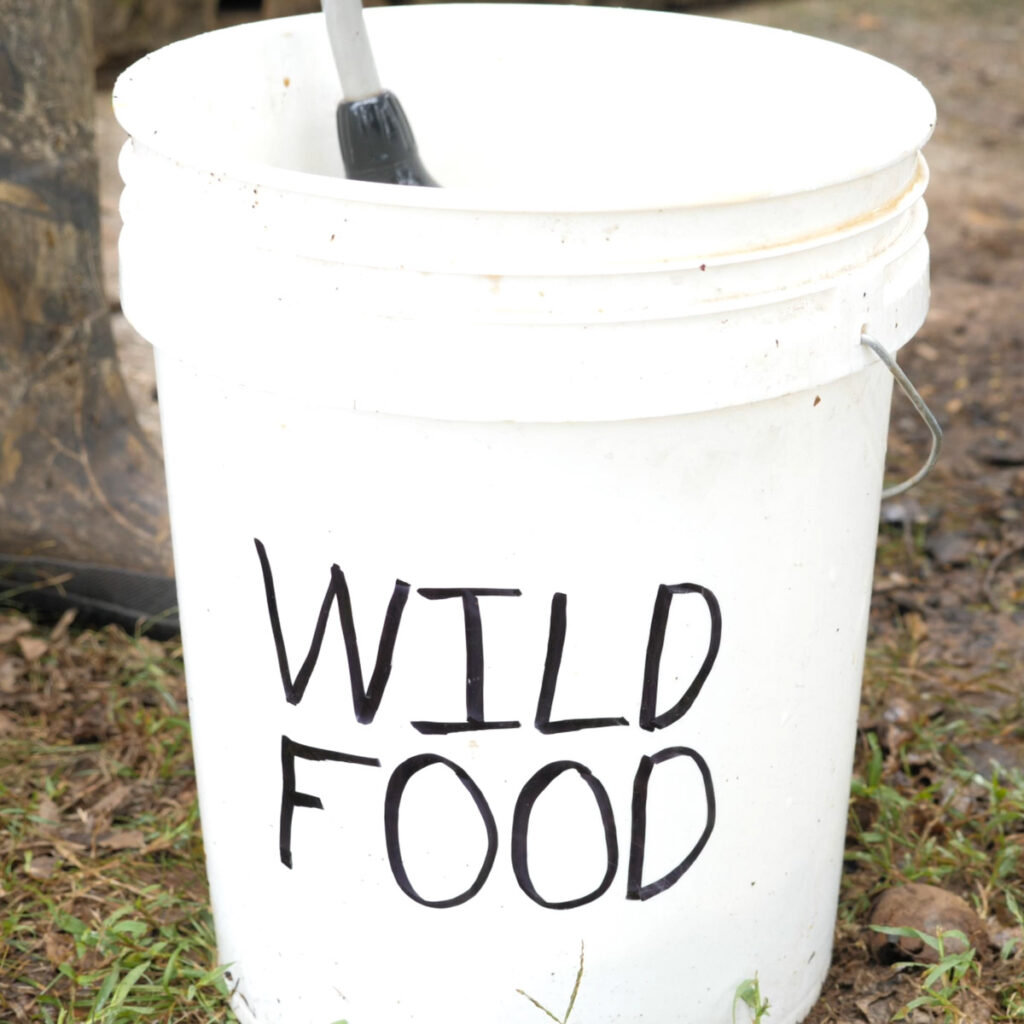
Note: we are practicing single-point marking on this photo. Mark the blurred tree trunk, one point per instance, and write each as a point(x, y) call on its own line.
point(78, 478)
point(129, 28)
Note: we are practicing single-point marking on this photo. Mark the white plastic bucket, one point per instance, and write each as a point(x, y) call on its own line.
point(590, 437)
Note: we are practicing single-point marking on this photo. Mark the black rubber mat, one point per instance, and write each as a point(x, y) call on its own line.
point(137, 601)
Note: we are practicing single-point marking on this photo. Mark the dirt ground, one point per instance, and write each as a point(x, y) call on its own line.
point(947, 629)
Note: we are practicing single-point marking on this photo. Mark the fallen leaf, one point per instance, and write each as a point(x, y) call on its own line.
point(63, 623)
point(8, 724)
point(32, 647)
point(879, 1004)
point(47, 811)
point(12, 626)
point(10, 669)
point(916, 626)
point(68, 851)
point(127, 839)
point(71, 842)
point(875, 1011)
point(58, 948)
point(111, 801)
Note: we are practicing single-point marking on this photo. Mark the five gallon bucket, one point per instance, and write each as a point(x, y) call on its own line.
point(524, 527)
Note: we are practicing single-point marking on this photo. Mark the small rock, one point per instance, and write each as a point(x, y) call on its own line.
point(41, 867)
point(951, 549)
point(928, 909)
point(909, 511)
point(907, 601)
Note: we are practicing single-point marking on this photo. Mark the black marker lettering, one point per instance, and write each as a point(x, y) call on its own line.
point(521, 827)
point(552, 663)
point(365, 702)
point(291, 797)
point(649, 720)
point(475, 721)
point(392, 806)
point(635, 889)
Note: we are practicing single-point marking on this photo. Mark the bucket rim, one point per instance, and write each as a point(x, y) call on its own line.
point(492, 200)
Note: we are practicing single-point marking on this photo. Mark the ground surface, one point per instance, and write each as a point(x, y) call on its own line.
point(95, 776)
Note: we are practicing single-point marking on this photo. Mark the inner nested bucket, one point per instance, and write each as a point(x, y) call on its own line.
point(610, 377)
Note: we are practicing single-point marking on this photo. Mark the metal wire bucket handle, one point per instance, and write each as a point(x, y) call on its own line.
point(923, 411)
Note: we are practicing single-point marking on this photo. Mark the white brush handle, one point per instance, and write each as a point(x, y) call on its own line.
point(351, 46)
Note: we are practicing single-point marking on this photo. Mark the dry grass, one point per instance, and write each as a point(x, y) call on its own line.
point(103, 902)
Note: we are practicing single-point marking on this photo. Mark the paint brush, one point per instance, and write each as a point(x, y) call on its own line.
point(376, 140)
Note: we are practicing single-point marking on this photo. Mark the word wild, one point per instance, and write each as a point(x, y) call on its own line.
point(366, 701)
